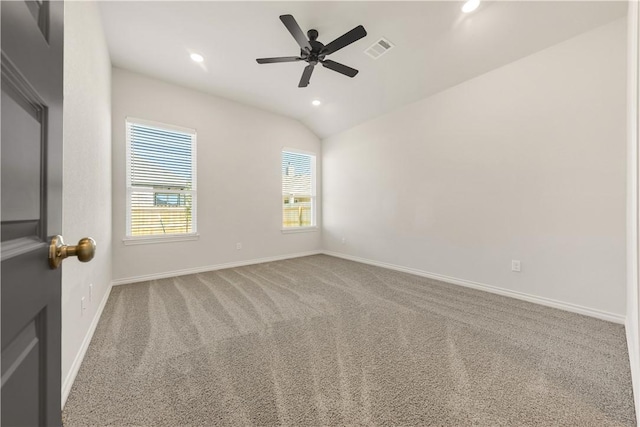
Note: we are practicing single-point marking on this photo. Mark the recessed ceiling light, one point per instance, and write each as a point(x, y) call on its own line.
point(196, 57)
point(470, 6)
point(316, 102)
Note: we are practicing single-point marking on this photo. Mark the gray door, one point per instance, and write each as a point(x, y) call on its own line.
point(31, 210)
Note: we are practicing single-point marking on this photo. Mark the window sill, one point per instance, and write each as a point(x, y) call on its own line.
point(144, 240)
point(299, 230)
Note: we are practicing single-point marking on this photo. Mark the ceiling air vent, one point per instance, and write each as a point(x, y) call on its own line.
point(379, 48)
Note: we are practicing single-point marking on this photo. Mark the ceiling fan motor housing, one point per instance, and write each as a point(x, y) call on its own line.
point(315, 55)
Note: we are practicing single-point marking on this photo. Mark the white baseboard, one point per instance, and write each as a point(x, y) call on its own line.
point(183, 272)
point(633, 347)
point(574, 308)
point(75, 367)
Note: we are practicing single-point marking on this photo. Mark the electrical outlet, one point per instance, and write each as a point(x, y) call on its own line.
point(238, 246)
point(83, 307)
point(90, 292)
point(515, 265)
point(344, 240)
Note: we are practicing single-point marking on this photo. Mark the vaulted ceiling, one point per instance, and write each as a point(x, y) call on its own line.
point(436, 47)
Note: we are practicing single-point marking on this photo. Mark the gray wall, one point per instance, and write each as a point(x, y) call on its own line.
point(86, 178)
point(239, 179)
point(526, 162)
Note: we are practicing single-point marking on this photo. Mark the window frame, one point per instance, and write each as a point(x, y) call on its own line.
point(313, 196)
point(129, 189)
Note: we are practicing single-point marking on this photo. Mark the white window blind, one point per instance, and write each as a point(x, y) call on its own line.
point(298, 189)
point(161, 179)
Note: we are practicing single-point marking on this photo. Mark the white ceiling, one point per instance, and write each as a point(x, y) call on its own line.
point(437, 46)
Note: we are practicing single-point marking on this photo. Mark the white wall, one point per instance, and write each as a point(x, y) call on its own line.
point(238, 172)
point(86, 178)
point(633, 143)
point(526, 162)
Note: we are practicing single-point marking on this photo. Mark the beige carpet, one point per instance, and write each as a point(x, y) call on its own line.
point(324, 341)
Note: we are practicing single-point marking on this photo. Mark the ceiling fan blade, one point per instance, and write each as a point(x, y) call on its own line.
point(344, 40)
point(306, 76)
point(295, 30)
point(341, 68)
point(279, 59)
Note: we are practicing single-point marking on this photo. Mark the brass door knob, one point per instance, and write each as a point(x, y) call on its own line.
point(84, 250)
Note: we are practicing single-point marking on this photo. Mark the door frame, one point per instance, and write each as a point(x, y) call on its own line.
point(632, 318)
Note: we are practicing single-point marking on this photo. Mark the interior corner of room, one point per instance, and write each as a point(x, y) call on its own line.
point(519, 162)
point(509, 169)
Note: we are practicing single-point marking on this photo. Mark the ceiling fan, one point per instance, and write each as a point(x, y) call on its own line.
point(314, 52)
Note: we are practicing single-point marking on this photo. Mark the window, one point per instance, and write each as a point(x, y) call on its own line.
point(161, 180)
point(169, 199)
point(298, 189)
